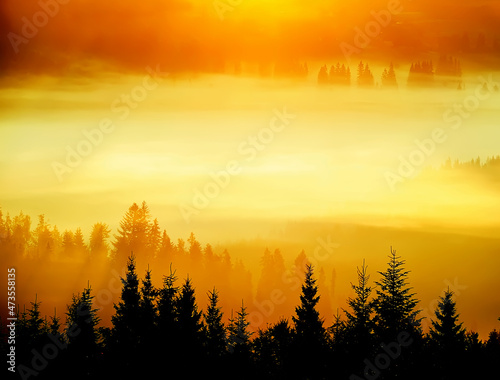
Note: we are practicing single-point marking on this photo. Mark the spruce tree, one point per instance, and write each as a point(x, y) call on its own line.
point(188, 317)
point(82, 334)
point(395, 304)
point(239, 345)
point(358, 333)
point(396, 316)
point(148, 315)
point(215, 329)
point(447, 339)
point(126, 321)
point(310, 341)
point(446, 332)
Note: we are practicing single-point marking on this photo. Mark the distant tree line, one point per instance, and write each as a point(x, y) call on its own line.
point(162, 332)
point(421, 73)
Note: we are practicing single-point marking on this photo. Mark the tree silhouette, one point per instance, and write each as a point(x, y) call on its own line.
point(396, 313)
point(98, 246)
point(272, 351)
point(132, 234)
point(215, 329)
point(148, 316)
point(189, 318)
point(126, 321)
point(389, 77)
point(447, 338)
point(239, 345)
point(310, 340)
point(82, 334)
point(358, 330)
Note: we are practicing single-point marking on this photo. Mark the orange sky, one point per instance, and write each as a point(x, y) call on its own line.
point(181, 33)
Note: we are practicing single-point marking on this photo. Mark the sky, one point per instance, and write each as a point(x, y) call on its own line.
point(172, 102)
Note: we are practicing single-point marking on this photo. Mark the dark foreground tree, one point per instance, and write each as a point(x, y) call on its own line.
point(310, 339)
point(447, 339)
point(272, 351)
point(127, 323)
point(396, 317)
point(356, 336)
point(84, 346)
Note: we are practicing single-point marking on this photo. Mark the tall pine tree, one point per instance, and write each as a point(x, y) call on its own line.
point(310, 340)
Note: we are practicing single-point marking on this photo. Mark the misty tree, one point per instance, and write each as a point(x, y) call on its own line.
point(79, 243)
point(154, 240)
point(68, 245)
point(99, 236)
point(132, 233)
point(389, 77)
point(195, 251)
point(365, 76)
point(43, 238)
point(323, 75)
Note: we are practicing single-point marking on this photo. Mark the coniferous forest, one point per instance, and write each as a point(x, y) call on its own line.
point(167, 332)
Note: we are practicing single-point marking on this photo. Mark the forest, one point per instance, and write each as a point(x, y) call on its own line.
point(166, 330)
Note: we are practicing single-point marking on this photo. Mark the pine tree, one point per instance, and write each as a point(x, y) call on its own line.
point(446, 332)
point(323, 75)
point(395, 314)
point(215, 329)
point(238, 334)
point(148, 311)
point(239, 345)
point(310, 341)
point(189, 318)
point(272, 351)
point(35, 324)
point(98, 246)
point(126, 321)
point(167, 311)
point(191, 334)
point(395, 305)
point(133, 233)
point(82, 333)
point(359, 324)
point(80, 246)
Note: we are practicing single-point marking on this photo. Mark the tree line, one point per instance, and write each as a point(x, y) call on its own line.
point(421, 73)
point(162, 332)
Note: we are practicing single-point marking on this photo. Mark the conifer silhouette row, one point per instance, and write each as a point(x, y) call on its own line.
point(157, 331)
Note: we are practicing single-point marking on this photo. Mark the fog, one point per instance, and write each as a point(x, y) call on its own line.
point(248, 163)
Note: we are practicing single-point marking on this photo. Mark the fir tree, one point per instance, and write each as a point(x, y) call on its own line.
point(82, 334)
point(310, 339)
point(395, 314)
point(447, 339)
point(359, 324)
point(148, 312)
point(126, 321)
point(395, 305)
point(446, 331)
point(215, 329)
